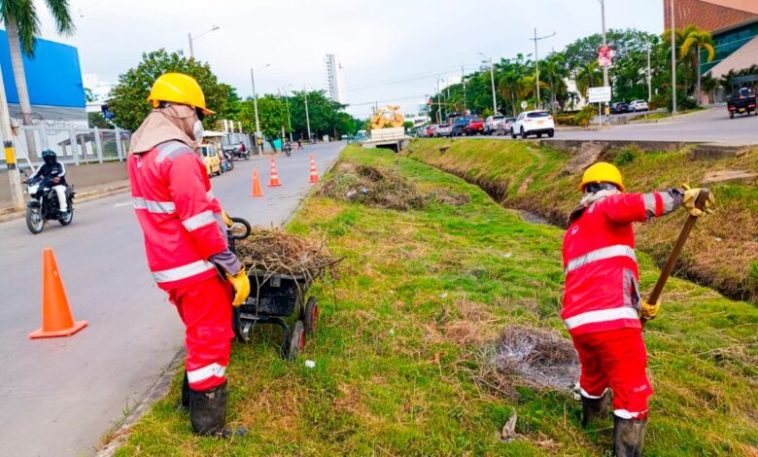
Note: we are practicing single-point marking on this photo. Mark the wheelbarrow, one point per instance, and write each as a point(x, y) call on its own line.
point(274, 297)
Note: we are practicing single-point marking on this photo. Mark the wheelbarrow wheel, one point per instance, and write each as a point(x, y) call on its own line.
point(297, 341)
point(311, 315)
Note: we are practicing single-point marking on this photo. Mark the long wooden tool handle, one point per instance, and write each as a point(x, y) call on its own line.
point(674, 256)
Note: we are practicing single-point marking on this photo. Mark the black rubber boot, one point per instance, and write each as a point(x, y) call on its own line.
point(595, 408)
point(628, 437)
point(185, 393)
point(208, 413)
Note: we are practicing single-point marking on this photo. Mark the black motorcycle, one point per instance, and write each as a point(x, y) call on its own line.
point(287, 148)
point(43, 204)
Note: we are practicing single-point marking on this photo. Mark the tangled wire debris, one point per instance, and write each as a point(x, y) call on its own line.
point(273, 251)
point(542, 358)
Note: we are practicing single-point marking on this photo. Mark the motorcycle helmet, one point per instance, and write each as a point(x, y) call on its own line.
point(48, 156)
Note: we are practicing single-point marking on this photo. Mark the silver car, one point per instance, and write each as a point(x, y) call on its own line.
point(494, 125)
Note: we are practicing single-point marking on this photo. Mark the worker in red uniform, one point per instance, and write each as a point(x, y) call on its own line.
point(602, 307)
point(185, 241)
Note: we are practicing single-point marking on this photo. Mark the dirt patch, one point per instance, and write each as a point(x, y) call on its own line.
point(539, 357)
point(588, 155)
point(446, 198)
point(373, 186)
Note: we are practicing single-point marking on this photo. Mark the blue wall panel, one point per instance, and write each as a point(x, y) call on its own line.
point(53, 75)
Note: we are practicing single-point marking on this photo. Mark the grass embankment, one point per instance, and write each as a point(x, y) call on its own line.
point(722, 251)
point(405, 343)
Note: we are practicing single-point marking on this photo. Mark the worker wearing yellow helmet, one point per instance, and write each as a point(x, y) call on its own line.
point(186, 243)
point(602, 305)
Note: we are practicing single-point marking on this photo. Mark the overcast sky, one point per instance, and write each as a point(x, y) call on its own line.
point(392, 51)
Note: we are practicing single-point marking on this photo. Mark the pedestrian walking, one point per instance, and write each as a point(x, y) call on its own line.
point(185, 242)
point(602, 306)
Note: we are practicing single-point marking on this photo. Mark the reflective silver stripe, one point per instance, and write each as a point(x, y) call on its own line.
point(199, 220)
point(208, 371)
point(584, 394)
point(624, 414)
point(649, 203)
point(668, 202)
point(601, 315)
point(617, 250)
point(153, 206)
point(171, 149)
point(183, 272)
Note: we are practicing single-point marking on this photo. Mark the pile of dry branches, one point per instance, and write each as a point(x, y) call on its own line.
point(273, 251)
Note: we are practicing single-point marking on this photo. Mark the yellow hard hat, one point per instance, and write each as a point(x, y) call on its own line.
point(602, 172)
point(178, 88)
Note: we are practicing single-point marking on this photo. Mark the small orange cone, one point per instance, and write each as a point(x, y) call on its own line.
point(273, 180)
point(314, 173)
point(57, 319)
point(256, 191)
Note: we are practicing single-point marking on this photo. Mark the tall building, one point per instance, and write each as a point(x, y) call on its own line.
point(335, 79)
point(734, 26)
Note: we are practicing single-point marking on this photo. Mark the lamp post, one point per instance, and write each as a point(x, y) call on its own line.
point(307, 117)
point(255, 107)
point(673, 61)
point(492, 82)
point(191, 38)
point(289, 116)
point(605, 41)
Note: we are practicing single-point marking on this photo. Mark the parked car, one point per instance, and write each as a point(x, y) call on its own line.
point(494, 124)
point(211, 159)
point(533, 123)
point(619, 108)
point(444, 130)
point(475, 126)
point(638, 105)
point(431, 130)
point(507, 122)
point(460, 124)
point(742, 101)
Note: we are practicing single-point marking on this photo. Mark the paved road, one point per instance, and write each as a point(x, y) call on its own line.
point(712, 125)
point(60, 396)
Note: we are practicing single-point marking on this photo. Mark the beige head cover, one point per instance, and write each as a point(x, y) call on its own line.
point(164, 124)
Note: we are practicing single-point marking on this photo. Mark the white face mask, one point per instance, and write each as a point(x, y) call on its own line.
point(197, 130)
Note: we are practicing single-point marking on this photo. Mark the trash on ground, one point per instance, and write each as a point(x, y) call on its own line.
point(310, 364)
point(373, 186)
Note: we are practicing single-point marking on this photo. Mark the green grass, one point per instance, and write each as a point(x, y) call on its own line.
point(722, 248)
point(405, 335)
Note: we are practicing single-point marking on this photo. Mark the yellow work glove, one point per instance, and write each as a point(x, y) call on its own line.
point(690, 196)
point(241, 285)
point(227, 220)
point(648, 311)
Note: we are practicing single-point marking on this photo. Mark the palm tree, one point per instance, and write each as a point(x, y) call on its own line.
point(693, 40)
point(22, 24)
point(587, 76)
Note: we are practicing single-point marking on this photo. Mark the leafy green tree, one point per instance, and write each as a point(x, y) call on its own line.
point(272, 114)
point(588, 75)
point(128, 99)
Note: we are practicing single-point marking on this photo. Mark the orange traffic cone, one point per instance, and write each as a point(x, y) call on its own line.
point(57, 319)
point(256, 191)
point(314, 174)
point(273, 180)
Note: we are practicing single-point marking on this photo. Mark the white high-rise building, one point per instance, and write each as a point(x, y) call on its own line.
point(335, 79)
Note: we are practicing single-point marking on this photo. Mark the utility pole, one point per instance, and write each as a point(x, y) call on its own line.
point(537, 61)
point(649, 77)
point(14, 178)
point(191, 49)
point(673, 61)
point(492, 82)
point(307, 118)
point(605, 41)
point(255, 107)
point(439, 102)
point(463, 81)
point(289, 116)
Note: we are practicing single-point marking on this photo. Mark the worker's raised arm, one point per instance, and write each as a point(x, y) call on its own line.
point(637, 207)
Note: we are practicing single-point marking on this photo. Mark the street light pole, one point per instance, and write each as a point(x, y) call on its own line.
point(673, 61)
point(255, 108)
point(307, 117)
point(492, 82)
point(537, 62)
point(191, 38)
point(649, 77)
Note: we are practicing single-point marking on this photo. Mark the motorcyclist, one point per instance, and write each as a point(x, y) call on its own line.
point(55, 172)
